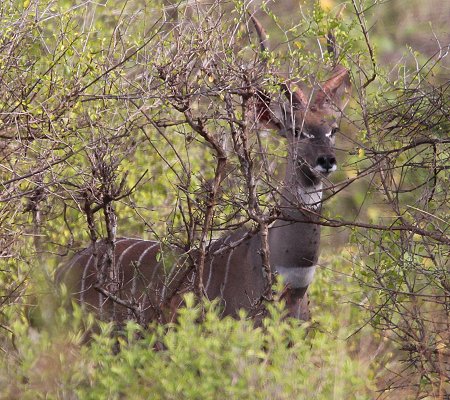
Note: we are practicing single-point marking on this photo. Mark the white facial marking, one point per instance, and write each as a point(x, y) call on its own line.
point(321, 169)
point(329, 133)
point(297, 277)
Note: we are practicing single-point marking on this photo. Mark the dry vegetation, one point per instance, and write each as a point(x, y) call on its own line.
point(122, 119)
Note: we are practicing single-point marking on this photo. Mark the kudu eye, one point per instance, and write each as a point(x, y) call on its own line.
point(334, 131)
point(299, 133)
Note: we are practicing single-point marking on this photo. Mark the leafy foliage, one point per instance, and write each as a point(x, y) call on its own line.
point(105, 112)
point(217, 358)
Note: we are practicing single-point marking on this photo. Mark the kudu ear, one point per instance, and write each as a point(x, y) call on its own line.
point(264, 114)
point(336, 90)
point(296, 98)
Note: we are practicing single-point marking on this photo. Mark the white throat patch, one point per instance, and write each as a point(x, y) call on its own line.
point(310, 197)
point(297, 277)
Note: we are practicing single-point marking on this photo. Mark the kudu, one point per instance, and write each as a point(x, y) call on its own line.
point(233, 269)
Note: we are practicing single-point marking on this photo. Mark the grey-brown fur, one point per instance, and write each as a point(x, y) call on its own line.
point(233, 268)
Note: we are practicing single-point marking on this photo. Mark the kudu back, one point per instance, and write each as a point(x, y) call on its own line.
point(152, 279)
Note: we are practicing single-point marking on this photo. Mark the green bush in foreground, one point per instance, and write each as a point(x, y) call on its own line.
point(215, 359)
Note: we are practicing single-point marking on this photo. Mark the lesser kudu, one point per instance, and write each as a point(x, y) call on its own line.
point(151, 280)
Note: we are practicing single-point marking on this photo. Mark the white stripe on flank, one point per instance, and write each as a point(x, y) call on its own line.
point(297, 277)
point(130, 246)
point(138, 265)
point(225, 280)
point(83, 278)
point(157, 265)
point(86, 270)
point(209, 274)
point(211, 264)
point(144, 253)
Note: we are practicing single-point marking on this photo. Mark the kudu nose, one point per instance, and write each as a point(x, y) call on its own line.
point(327, 163)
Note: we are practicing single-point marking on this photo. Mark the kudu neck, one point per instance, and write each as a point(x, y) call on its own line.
point(295, 238)
point(301, 194)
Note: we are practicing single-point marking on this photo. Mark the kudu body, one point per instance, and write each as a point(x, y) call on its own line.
point(233, 268)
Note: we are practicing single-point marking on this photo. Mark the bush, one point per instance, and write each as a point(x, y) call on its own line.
point(214, 359)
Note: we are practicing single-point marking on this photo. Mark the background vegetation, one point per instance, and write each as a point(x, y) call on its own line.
point(112, 117)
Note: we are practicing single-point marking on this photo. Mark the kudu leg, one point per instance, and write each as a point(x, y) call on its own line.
point(297, 303)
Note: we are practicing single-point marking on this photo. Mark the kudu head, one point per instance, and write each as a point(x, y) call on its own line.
point(309, 123)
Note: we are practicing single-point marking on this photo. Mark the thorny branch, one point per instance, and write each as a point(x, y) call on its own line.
point(182, 110)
